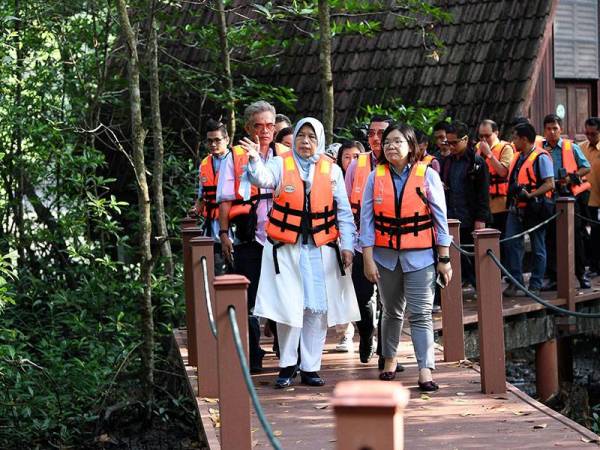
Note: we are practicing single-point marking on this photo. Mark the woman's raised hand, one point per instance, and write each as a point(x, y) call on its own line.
point(251, 148)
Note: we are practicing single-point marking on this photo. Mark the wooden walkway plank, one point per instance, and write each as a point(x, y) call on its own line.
point(458, 416)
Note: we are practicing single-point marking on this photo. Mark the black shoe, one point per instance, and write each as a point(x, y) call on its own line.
point(286, 377)
point(381, 364)
point(584, 282)
point(550, 286)
point(365, 349)
point(311, 379)
point(428, 386)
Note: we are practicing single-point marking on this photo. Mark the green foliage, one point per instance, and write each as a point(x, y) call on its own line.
point(596, 419)
point(419, 117)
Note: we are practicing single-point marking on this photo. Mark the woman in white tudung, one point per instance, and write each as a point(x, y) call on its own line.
point(304, 286)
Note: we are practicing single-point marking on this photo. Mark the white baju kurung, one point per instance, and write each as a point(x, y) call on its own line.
point(309, 293)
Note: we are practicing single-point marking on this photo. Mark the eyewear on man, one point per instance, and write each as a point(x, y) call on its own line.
point(454, 143)
point(263, 126)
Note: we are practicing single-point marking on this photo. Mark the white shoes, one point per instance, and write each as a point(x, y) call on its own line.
point(345, 345)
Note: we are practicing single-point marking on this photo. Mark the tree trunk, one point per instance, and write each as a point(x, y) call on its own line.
point(138, 137)
point(18, 136)
point(157, 138)
point(326, 74)
point(226, 69)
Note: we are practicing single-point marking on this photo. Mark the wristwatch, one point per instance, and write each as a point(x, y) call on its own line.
point(223, 232)
point(444, 259)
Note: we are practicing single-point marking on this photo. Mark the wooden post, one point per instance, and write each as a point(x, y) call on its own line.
point(565, 250)
point(546, 369)
point(489, 310)
point(234, 399)
point(369, 415)
point(187, 222)
point(452, 303)
point(204, 348)
point(189, 231)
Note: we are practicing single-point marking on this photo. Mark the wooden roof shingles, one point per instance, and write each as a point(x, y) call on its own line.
point(484, 69)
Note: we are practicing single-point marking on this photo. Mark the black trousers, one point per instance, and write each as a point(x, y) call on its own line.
point(594, 246)
point(467, 264)
point(247, 262)
point(364, 292)
point(579, 232)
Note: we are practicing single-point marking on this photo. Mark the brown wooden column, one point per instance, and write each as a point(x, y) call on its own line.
point(546, 369)
point(234, 400)
point(369, 415)
point(565, 250)
point(489, 309)
point(452, 303)
point(204, 347)
point(189, 231)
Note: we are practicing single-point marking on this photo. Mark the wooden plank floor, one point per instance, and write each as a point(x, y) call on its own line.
point(458, 416)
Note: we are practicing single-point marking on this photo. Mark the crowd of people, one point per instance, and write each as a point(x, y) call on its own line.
point(330, 236)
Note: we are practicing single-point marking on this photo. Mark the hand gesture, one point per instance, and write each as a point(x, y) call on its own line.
point(484, 149)
point(251, 147)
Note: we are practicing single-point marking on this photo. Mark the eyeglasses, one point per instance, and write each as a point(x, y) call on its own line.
point(373, 133)
point(310, 137)
point(394, 142)
point(263, 126)
point(215, 141)
point(454, 143)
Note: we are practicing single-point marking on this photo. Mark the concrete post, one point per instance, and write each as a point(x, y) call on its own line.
point(489, 309)
point(189, 231)
point(234, 399)
point(204, 348)
point(452, 303)
point(369, 415)
point(546, 369)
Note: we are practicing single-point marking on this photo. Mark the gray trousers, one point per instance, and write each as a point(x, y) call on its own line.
point(415, 290)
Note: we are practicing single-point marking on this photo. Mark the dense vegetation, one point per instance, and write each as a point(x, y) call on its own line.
point(71, 335)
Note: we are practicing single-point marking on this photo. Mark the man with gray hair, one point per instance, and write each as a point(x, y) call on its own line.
point(248, 218)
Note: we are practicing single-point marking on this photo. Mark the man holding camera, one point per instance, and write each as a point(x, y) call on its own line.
point(570, 168)
point(530, 185)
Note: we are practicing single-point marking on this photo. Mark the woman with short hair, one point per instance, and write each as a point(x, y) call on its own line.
point(405, 241)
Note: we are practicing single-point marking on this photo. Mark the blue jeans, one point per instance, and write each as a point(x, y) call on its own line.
point(514, 251)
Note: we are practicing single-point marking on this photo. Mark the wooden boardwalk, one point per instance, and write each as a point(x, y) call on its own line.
point(521, 305)
point(458, 416)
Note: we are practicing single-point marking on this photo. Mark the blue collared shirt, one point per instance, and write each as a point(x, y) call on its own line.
point(410, 260)
point(556, 153)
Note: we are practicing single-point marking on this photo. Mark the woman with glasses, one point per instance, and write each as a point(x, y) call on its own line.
point(303, 283)
point(405, 241)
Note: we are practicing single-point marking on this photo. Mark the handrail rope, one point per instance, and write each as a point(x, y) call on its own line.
point(587, 219)
point(246, 373)
point(523, 233)
point(211, 318)
point(539, 225)
point(538, 299)
point(462, 250)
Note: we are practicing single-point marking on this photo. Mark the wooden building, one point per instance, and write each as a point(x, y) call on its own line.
point(502, 58)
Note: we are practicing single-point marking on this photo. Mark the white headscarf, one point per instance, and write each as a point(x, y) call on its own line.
point(305, 164)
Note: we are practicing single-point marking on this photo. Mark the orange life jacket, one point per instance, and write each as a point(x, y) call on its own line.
point(209, 180)
point(362, 170)
point(569, 163)
point(527, 175)
point(498, 184)
point(291, 215)
point(427, 159)
point(404, 222)
point(240, 160)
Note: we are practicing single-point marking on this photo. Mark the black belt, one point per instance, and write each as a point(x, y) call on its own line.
point(334, 245)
